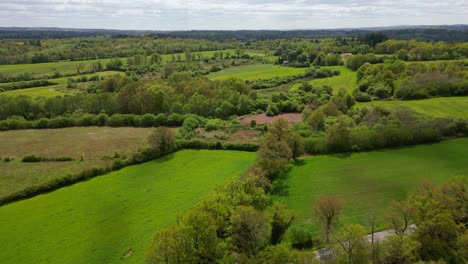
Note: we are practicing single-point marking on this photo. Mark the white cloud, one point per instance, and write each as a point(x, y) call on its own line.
point(236, 14)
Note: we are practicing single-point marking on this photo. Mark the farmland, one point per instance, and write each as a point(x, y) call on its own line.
point(346, 80)
point(91, 143)
point(101, 220)
point(369, 181)
point(443, 107)
point(254, 72)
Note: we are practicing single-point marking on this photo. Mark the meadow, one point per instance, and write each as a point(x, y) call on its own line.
point(346, 79)
point(43, 70)
point(91, 143)
point(256, 71)
point(442, 107)
point(43, 91)
point(368, 181)
point(112, 218)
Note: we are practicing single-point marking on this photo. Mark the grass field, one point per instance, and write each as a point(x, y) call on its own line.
point(43, 91)
point(69, 67)
point(442, 107)
point(103, 219)
point(256, 71)
point(346, 79)
point(90, 142)
point(369, 181)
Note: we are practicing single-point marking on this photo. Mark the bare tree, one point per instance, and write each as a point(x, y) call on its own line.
point(399, 215)
point(327, 209)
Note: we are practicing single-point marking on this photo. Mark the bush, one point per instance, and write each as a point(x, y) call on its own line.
point(175, 119)
point(300, 237)
point(60, 122)
point(213, 124)
point(32, 158)
point(41, 123)
point(160, 120)
point(148, 120)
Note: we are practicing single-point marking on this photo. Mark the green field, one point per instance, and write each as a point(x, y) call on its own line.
point(442, 107)
point(347, 79)
point(256, 71)
point(369, 181)
point(103, 219)
point(43, 91)
point(69, 67)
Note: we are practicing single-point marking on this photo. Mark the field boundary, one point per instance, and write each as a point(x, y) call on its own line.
point(138, 158)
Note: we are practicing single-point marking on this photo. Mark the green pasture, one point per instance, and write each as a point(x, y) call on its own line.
point(347, 80)
point(367, 182)
point(112, 218)
point(43, 91)
point(441, 107)
point(256, 71)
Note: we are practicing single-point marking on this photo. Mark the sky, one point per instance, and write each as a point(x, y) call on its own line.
point(229, 14)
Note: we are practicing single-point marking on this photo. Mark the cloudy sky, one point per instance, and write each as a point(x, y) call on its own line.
point(229, 14)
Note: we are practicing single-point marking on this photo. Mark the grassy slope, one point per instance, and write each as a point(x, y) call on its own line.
point(443, 107)
point(346, 79)
point(256, 71)
point(90, 142)
point(44, 91)
point(100, 220)
point(369, 181)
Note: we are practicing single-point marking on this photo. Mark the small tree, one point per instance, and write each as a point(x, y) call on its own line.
point(351, 245)
point(249, 230)
point(399, 215)
point(163, 140)
point(327, 210)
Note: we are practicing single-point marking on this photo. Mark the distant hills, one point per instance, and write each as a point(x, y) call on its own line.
point(422, 33)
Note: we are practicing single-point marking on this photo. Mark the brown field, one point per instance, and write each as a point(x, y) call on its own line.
point(90, 142)
point(263, 118)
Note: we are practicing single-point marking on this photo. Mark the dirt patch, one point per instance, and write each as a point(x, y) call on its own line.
point(242, 135)
point(263, 118)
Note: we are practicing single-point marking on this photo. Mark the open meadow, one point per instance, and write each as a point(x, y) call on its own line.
point(256, 71)
point(112, 218)
point(368, 181)
point(346, 79)
point(91, 143)
point(442, 107)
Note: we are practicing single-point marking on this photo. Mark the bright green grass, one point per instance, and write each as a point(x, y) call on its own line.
point(442, 107)
point(347, 79)
point(47, 69)
point(369, 181)
point(100, 220)
point(43, 91)
point(256, 71)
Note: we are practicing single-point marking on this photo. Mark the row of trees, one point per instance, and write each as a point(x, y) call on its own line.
point(48, 50)
point(335, 127)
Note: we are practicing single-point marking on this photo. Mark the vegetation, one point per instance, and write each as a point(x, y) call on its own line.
point(368, 182)
point(116, 213)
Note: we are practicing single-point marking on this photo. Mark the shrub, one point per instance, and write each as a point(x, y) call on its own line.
point(87, 120)
point(213, 124)
point(175, 119)
point(41, 123)
point(147, 120)
point(160, 120)
point(60, 122)
point(32, 158)
point(300, 237)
